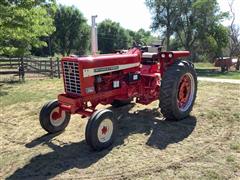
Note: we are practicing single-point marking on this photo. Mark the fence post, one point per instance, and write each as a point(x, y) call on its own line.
point(51, 68)
point(45, 64)
point(10, 62)
point(21, 70)
point(58, 68)
point(40, 65)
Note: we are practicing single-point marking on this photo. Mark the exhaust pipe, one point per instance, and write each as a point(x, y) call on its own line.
point(94, 40)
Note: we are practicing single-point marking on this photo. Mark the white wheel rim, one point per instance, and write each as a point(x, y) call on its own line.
point(59, 121)
point(105, 130)
point(191, 95)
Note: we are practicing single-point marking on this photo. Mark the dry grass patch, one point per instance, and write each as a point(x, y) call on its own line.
point(204, 146)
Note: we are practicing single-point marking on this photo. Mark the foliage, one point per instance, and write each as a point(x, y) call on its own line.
point(75, 37)
point(211, 36)
point(72, 32)
point(142, 37)
point(22, 23)
point(194, 24)
point(164, 13)
point(219, 35)
point(111, 37)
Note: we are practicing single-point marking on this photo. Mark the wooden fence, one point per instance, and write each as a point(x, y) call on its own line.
point(48, 67)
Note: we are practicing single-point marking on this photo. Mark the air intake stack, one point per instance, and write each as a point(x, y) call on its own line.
point(94, 40)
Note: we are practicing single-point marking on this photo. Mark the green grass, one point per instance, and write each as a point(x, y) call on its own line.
point(204, 66)
point(230, 159)
point(235, 146)
point(210, 174)
point(217, 74)
point(30, 91)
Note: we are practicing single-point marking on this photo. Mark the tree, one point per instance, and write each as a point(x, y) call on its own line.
point(111, 37)
point(193, 23)
point(142, 37)
point(22, 23)
point(234, 40)
point(234, 33)
point(164, 13)
point(72, 32)
point(213, 44)
point(211, 35)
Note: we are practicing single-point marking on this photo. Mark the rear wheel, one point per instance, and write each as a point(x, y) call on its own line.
point(51, 119)
point(101, 129)
point(178, 90)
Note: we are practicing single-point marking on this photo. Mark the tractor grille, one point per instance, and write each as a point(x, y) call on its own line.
point(71, 75)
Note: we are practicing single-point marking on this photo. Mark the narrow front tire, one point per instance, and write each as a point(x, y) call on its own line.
point(51, 119)
point(101, 130)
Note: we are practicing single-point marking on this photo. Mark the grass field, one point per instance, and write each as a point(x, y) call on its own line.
point(208, 70)
point(204, 65)
point(204, 146)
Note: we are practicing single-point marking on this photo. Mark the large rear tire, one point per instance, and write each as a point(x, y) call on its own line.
point(101, 130)
point(178, 90)
point(51, 120)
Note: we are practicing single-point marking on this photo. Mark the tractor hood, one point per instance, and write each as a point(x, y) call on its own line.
point(94, 65)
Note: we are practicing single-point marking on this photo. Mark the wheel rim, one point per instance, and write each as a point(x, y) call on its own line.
point(57, 119)
point(185, 92)
point(105, 130)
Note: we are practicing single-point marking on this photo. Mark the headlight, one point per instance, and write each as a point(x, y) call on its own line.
point(170, 55)
point(163, 55)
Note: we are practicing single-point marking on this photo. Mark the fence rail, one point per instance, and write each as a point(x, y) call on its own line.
point(48, 67)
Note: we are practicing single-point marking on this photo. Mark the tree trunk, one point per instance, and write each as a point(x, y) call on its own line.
point(167, 41)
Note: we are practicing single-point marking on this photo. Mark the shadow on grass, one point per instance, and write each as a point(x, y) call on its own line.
point(4, 90)
point(11, 81)
point(79, 155)
point(3, 93)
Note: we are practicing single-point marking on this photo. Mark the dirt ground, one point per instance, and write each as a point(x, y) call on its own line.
point(204, 146)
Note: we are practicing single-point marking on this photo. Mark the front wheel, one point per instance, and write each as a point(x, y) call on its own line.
point(178, 90)
point(52, 119)
point(101, 129)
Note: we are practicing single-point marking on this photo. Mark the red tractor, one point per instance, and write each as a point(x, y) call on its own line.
point(118, 79)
